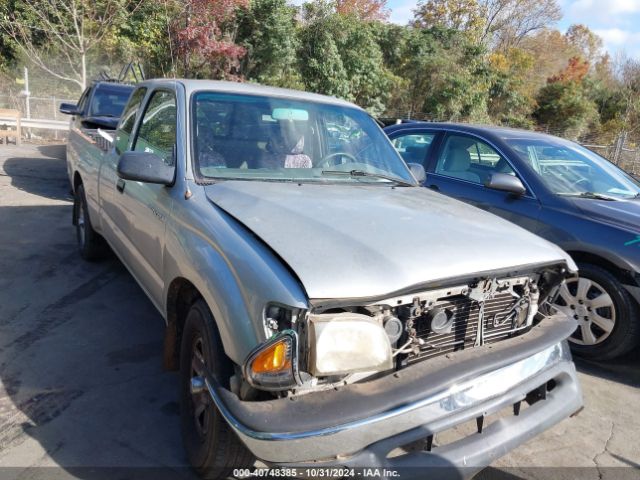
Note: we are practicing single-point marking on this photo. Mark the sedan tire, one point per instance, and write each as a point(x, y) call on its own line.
point(607, 317)
point(213, 448)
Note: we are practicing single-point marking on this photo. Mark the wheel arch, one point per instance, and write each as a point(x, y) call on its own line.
point(77, 180)
point(622, 274)
point(181, 294)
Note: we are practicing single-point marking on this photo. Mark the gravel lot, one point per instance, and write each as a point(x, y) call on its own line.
point(81, 379)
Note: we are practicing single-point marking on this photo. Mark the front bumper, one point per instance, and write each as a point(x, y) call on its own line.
point(359, 425)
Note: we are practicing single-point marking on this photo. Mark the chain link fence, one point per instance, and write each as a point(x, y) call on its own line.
point(41, 108)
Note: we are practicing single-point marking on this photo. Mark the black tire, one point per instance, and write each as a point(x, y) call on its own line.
point(625, 335)
point(212, 447)
point(90, 243)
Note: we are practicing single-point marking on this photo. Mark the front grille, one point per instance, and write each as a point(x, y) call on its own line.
point(465, 326)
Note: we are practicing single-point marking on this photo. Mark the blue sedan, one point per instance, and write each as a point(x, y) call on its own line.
point(560, 191)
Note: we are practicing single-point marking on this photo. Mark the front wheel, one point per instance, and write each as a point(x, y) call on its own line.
point(607, 319)
point(212, 446)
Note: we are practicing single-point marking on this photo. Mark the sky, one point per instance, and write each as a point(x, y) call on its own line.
point(616, 21)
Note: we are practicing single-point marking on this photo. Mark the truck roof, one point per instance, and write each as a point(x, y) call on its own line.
point(192, 86)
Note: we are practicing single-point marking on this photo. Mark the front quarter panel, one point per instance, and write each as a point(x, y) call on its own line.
point(575, 232)
point(233, 270)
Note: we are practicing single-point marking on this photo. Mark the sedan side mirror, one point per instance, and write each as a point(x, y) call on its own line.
point(506, 183)
point(69, 109)
point(418, 171)
point(145, 167)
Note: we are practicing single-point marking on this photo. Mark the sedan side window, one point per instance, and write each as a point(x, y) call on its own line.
point(129, 119)
point(157, 131)
point(413, 147)
point(470, 159)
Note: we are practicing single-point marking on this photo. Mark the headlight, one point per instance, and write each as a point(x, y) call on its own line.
point(273, 365)
point(346, 343)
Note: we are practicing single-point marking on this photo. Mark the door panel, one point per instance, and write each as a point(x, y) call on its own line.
point(464, 163)
point(112, 215)
point(147, 206)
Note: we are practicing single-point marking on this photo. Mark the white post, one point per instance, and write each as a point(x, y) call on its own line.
point(55, 116)
point(27, 93)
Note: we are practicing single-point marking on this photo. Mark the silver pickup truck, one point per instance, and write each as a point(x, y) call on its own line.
point(323, 310)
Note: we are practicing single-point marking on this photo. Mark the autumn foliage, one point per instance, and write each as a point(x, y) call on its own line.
point(575, 71)
point(363, 9)
point(204, 38)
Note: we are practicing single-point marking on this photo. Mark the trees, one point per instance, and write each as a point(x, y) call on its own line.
point(439, 74)
point(268, 32)
point(509, 21)
point(462, 15)
point(64, 30)
point(564, 106)
point(366, 10)
point(205, 38)
point(586, 43)
point(338, 55)
point(511, 98)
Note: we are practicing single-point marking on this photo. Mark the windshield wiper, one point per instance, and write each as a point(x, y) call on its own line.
point(362, 173)
point(591, 195)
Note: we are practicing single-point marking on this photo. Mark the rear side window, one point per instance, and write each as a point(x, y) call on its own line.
point(157, 131)
point(413, 147)
point(128, 119)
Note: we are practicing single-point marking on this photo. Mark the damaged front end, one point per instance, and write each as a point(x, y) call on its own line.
point(338, 343)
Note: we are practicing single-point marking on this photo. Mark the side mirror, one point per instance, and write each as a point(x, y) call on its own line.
point(145, 167)
point(69, 109)
point(506, 183)
point(418, 171)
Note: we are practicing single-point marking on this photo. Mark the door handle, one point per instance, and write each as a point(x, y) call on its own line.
point(120, 185)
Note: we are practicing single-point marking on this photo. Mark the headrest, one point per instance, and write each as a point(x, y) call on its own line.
point(458, 159)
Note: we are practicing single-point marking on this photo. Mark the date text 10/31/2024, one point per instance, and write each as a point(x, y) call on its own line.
point(329, 472)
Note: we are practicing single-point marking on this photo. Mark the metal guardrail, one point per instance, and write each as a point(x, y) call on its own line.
point(37, 123)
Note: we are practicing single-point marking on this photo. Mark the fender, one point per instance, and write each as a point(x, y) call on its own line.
point(236, 274)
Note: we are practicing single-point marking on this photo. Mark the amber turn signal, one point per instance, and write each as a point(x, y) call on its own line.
point(273, 365)
point(273, 359)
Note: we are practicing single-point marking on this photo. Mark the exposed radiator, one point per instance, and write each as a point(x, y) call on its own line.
point(465, 326)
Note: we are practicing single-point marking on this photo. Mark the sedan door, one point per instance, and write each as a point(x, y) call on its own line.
point(461, 167)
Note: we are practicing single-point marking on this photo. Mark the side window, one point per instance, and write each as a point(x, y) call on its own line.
point(128, 119)
point(157, 131)
point(414, 147)
point(82, 103)
point(470, 159)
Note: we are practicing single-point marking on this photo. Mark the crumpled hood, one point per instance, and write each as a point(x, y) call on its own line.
point(622, 213)
point(352, 241)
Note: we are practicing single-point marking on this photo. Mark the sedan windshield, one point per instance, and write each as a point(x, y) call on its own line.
point(247, 137)
point(569, 169)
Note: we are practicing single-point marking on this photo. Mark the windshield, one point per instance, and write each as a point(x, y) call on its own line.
point(263, 138)
point(109, 101)
point(566, 168)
